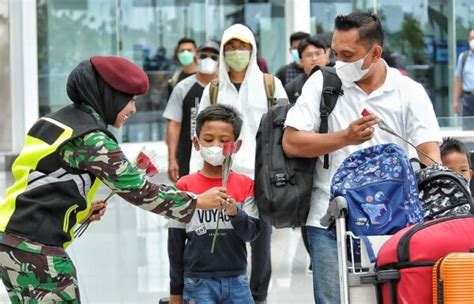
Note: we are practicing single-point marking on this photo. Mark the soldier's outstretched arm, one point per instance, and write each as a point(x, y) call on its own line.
point(101, 156)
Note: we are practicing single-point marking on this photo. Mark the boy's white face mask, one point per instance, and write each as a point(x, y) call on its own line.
point(212, 155)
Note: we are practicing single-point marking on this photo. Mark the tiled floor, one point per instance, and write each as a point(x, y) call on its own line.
point(123, 259)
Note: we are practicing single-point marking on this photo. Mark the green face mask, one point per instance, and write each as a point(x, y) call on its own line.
point(237, 60)
point(186, 58)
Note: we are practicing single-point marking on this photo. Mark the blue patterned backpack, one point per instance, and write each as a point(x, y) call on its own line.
point(380, 187)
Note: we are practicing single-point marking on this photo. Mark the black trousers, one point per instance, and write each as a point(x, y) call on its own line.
point(468, 112)
point(261, 263)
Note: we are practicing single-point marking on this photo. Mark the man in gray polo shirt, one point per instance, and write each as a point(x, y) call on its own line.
point(182, 109)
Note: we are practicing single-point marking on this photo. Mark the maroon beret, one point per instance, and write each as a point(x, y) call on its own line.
point(121, 74)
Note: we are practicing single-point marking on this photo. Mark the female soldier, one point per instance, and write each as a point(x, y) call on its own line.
point(65, 156)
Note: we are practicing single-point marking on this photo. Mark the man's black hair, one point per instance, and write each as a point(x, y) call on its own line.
point(311, 41)
point(181, 41)
point(368, 24)
point(185, 40)
point(326, 38)
point(220, 112)
point(451, 145)
point(298, 36)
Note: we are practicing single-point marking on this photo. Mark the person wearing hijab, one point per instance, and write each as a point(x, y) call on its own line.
point(65, 156)
point(241, 85)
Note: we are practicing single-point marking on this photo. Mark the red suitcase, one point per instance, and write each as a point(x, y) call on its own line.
point(411, 253)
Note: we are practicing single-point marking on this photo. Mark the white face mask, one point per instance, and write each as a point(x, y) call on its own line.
point(351, 71)
point(207, 66)
point(212, 155)
point(471, 44)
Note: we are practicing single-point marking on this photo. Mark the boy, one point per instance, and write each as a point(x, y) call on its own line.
point(455, 156)
point(197, 275)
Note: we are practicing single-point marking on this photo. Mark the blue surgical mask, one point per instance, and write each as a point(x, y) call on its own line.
point(295, 55)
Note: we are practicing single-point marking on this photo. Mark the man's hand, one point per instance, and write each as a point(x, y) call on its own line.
point(176, 299)
point(361, 130)
point(230, 207)
point(173, 170)
point(457, 93)
point(213, 198)
point(456, 107)
point(96, 212)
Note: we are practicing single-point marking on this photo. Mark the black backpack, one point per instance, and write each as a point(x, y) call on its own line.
point(283, 185)
point(443, 192)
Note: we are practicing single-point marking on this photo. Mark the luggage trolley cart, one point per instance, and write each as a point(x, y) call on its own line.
point(357, 279)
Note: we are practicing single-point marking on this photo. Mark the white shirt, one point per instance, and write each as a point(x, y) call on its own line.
point(401, 102)
point(174, 107)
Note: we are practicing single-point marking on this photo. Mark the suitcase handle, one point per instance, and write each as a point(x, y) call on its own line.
point(391, 277)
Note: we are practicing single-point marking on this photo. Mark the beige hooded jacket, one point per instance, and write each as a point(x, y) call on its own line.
point(250, 101)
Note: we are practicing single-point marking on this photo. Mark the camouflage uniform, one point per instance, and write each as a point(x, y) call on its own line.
point(101, 156)
point(34, 273)
point(37, 273)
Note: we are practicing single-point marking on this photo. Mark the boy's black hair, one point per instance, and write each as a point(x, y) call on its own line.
point(368, 24)
point(298, 36)
point(311, 41)
point(450, 145)
point(220, 112)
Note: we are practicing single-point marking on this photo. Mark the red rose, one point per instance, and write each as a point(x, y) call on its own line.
point(365, 112)
point(228, 148)
point(143, 161)
point(151, 170)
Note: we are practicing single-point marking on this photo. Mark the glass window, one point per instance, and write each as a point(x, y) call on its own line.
point(5, 97)
point(146, 32)
point(416, 37)
point(323, 13)
point(68, 32)
point(417, 42)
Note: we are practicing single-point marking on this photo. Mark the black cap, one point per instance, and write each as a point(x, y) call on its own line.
point(210, 44)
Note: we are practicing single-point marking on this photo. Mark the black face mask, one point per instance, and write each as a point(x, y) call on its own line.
point(85, 86)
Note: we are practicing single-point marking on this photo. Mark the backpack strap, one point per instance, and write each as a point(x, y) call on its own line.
point(213, 91)
point(269, 84)
point(174, 79)
point(465, 54)
point(330, 93)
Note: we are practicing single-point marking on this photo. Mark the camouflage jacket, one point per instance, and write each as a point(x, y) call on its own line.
point(101, 156)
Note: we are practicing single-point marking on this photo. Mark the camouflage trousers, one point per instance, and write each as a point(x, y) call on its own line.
point(37, 278)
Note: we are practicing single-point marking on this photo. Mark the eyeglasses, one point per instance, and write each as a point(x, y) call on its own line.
point(203, 56)
point(313, 54)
